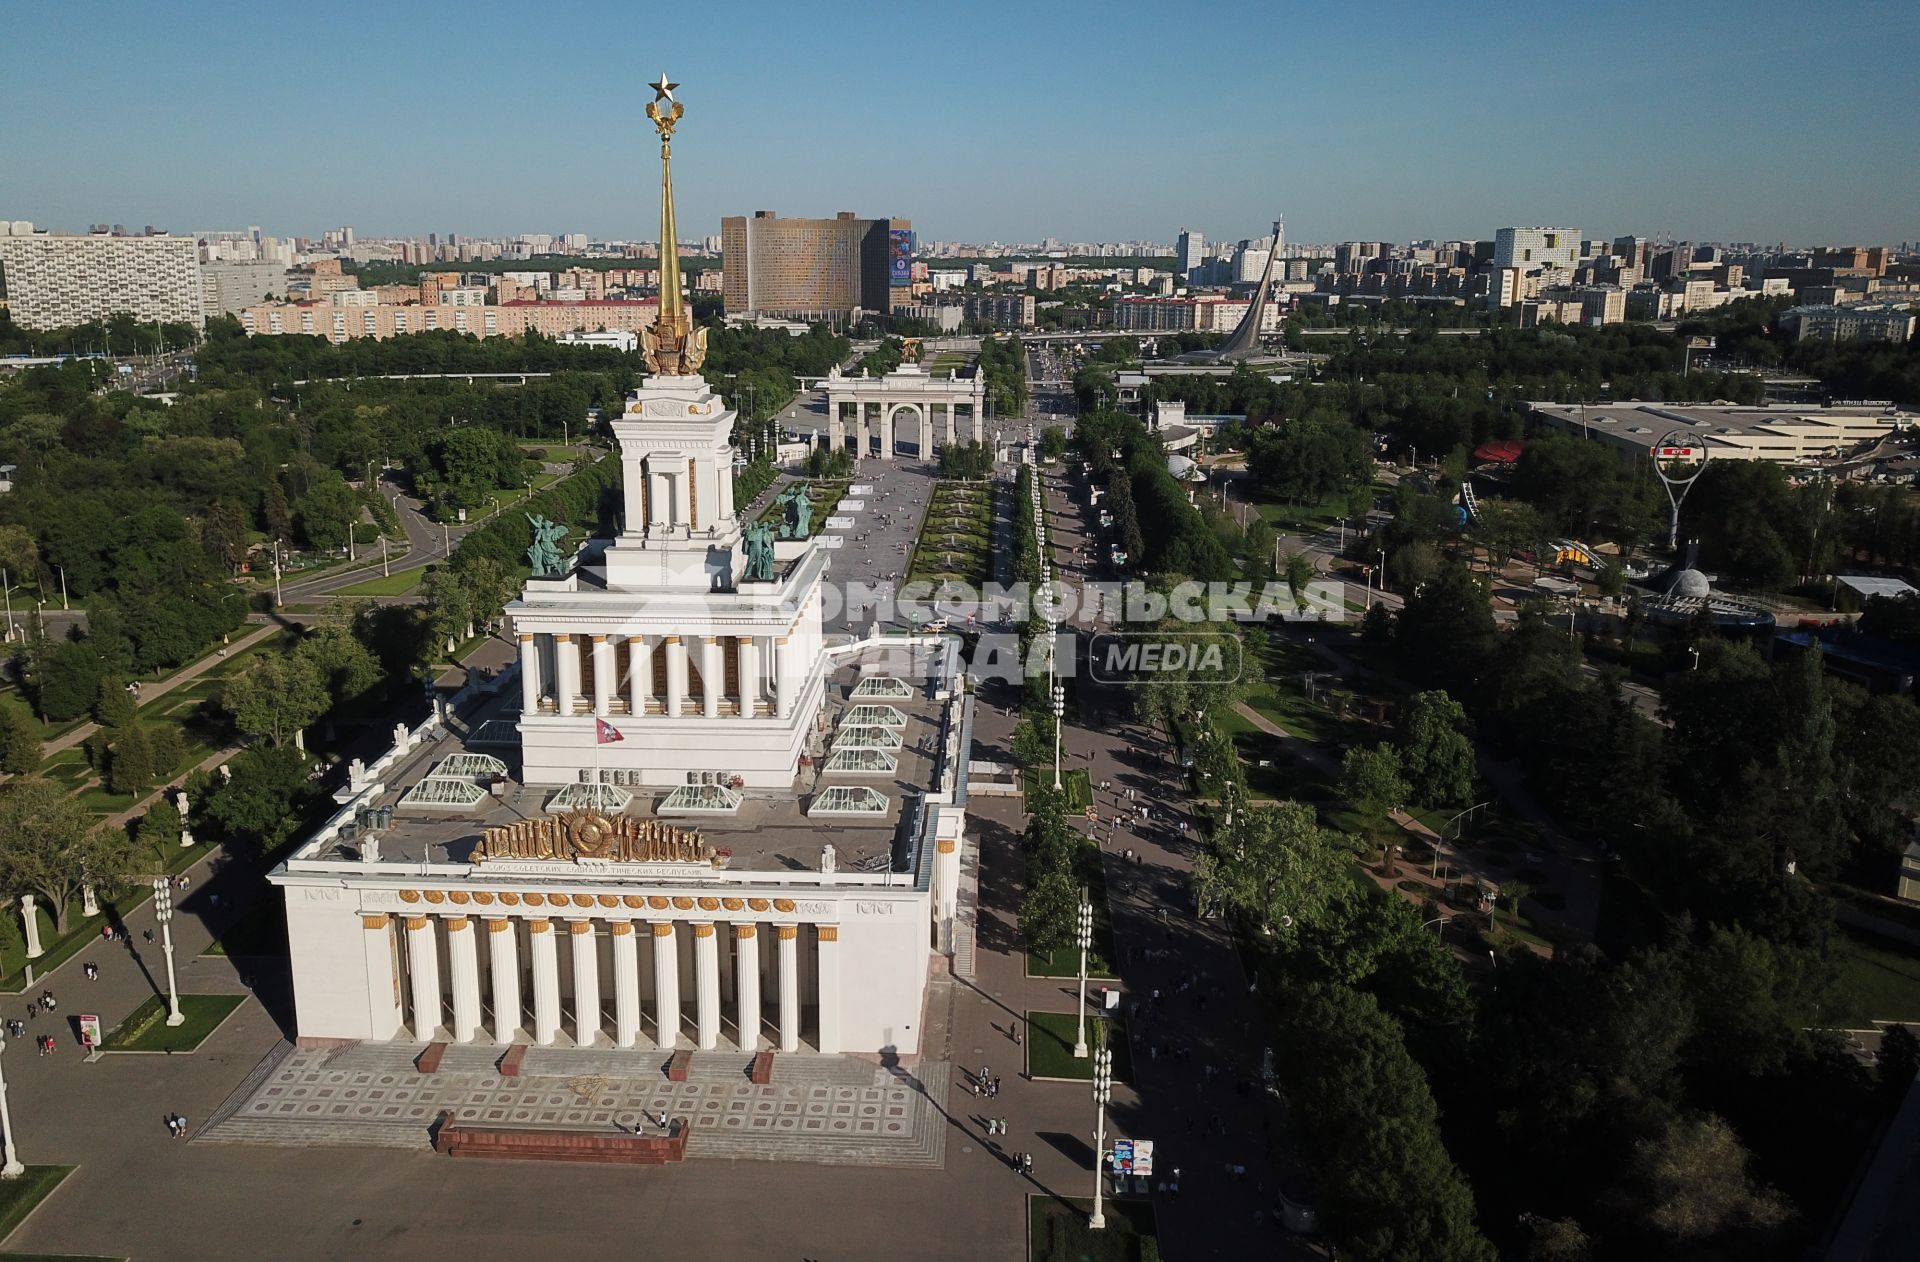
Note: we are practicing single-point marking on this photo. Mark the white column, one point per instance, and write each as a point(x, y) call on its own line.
point(424, 964)
point(953, 425)
point(706, 975)
point(383, 988)
point(34, 950)
point(567, 683)
point(676, 674)
point(602, 675)
point(546, 982)
point(746, 985)
point(749, 670)
point(626, 984)
point(828, 975)
point(464, 961)
point(640, 672)
point(529, 673)
point(785, 678)
point(946, 888)
point(713, 676)
point(886, 432)
point(789, 988)
point(586, 983)
point(503, 966)
point(666, 984)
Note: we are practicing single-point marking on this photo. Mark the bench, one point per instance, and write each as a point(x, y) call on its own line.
point(511, 1063)
point(762, 1072)
point(428, 1062)
point(677, 1067)
point(451, 1139)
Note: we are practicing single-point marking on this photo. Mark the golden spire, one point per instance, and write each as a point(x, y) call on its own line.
point(673, 346)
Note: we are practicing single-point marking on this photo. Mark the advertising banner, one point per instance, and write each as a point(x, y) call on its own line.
point(900, 258)
point(89, 1030)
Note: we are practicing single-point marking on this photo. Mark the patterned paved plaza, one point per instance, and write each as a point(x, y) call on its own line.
point(831, 1110)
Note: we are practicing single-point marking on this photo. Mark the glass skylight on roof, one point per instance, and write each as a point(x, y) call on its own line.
point(701, 799)
point(469, 766)
point(599, 797)
point(862, 762)
point(495, 732)
point(850, 737)
point(443, 793)
point(879, 686)
point(847, 799)
point(875, 716)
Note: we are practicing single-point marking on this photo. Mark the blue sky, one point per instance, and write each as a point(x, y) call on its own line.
point(1757, 121)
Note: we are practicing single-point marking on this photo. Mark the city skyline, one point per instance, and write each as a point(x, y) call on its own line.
point(1684, 123)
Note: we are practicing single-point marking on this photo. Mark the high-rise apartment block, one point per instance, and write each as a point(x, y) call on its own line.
point(815, 268)
point(57, 281)
point(1190, 253)
point(1537, 249)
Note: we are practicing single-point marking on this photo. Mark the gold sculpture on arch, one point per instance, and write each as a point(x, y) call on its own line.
point(589, 834)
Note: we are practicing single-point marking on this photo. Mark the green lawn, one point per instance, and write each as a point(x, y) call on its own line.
point(1057, 1231)
point(400, 584)
point(956, 536)
point(146, 1028)
point(1074, 783)
point(19, 1196)
point(1050, 1046)
point(1879, 980)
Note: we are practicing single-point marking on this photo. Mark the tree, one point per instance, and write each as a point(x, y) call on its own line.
point(1436, 757)
point(1257, 544)
point(1299, 575)
point(19, 554)
point(1370, 779)
point(1276, 866)
point(1691, 1183)
point(160, 827)
point(276, 697)
point(112, 704)
point(265, 797)
point(55, 847)
point(344, 665)
point(130, 761)
point(19, 741)
point(1048, 908)
point(326, 514)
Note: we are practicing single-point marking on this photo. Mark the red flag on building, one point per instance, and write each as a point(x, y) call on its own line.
point(605, 733)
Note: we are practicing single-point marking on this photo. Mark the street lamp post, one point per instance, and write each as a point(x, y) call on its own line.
point(163, 912)
point(1084, 932)
point(12, 1169)
point(1059, 721)
point(1102, 1092)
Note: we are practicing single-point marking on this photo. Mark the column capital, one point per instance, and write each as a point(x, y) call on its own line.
point(946, 845)
point(539, 926)
point(417, 923)
point(457, 923)
point(743, 639)
point(499, 924)
point(669, 639)
point(526, 637)
point(828, 933)
point(599, 639)
point(621, 928)
point(711, 639)
point(663, 928)
point(789, 932)
point(704, 929)
point(377, 920)
point(579, 926)
point(743, 931)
